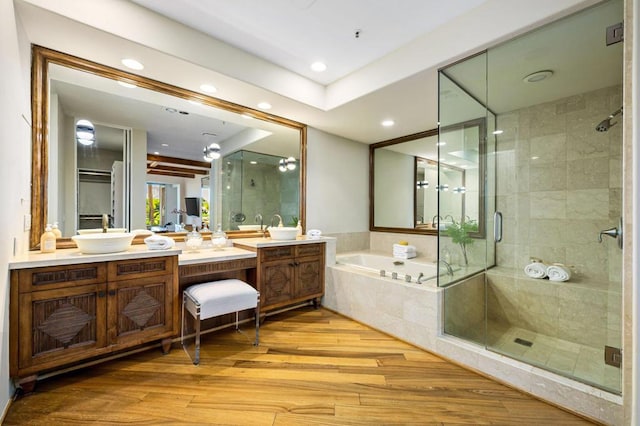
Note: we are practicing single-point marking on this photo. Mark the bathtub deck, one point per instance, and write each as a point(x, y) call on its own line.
point(312, 367)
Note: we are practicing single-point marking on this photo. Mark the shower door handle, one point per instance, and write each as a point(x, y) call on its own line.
point(613, 233)
point(497, 227)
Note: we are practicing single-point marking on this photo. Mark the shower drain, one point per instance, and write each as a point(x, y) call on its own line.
point(523, 342)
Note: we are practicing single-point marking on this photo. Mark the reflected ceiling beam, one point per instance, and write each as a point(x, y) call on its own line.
point(159, 167)
point(172, 160)
point(167, 173)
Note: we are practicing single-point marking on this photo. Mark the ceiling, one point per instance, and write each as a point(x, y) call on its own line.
point(254, 50)
point(345, 35)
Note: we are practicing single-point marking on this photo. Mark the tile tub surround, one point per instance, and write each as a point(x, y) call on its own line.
point(414, 314)
point(426, 245)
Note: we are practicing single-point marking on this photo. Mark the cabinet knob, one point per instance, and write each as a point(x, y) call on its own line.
point(112, 292)
point(101, 294)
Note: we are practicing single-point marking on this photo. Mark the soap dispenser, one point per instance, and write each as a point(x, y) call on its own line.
point(299, 229)
point(48, 240)
point(56, 230)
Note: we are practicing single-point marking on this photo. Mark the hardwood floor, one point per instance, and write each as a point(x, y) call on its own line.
point(312, 367)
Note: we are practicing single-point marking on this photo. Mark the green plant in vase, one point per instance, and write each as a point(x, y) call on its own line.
point(459, 234)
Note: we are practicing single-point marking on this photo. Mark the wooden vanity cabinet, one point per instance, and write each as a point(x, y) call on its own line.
point(62, 315)
point(290, 274)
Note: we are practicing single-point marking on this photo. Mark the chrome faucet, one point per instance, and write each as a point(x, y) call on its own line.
point(105, 223)
point(259, 218)
point(279, 218)
point(452, 219)
point(433, 220)
point(420, 278)
point(449, 268)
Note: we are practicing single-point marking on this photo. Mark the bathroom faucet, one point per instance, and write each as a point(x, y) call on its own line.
point(433, 220)
point(259, 217)
point(449, 268)
point(105, 223)
point(452, 219)
point(279, 219)
point(420, 277)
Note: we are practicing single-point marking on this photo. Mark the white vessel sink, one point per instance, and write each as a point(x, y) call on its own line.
point(111, 242)
point(284, 233)
point(99, 230)
point(249, 227)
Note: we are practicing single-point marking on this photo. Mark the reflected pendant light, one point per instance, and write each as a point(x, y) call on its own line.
point(85, 132)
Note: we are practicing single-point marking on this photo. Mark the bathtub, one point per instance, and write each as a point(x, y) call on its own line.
point(387, 266)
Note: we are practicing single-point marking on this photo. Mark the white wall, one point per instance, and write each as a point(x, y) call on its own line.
point(635, 94)
point(15, 160)
point(337, 183)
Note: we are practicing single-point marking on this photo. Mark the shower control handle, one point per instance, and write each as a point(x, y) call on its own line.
point(613, 233)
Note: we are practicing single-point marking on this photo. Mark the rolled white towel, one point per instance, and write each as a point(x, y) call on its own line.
point(536, 270)
point(558, 272)
point(159, 242)
point(314, 234)
point(404, 249)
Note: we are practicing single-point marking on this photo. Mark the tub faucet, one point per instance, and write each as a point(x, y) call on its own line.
point(279, 219)
point(420, 277)
point(448, 266)
point(105, 223)
point(433, 220)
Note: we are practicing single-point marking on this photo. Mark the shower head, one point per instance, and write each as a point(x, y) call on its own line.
point(606, 124)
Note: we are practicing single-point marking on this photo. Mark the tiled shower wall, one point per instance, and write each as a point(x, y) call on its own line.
point(559, 185)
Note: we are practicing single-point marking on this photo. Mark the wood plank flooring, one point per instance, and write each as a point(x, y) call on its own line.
point(313, 367)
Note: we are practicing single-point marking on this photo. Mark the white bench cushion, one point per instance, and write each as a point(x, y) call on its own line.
point(223, 297)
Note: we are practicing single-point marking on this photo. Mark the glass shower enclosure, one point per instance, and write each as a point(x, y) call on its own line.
point(543, 280)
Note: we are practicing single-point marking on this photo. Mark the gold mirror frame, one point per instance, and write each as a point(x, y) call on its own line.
point(41, 57)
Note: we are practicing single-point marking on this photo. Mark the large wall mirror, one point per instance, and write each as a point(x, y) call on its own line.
point(110, 142)
point(412, 174)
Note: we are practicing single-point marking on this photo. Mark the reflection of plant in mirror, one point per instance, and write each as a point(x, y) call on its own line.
point(294, 221)
point(459, 233)
point(205, 211)
point(155, 213)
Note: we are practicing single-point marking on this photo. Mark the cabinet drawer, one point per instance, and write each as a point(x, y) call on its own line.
point(309, 249)
point(268, 254)
point(129, 269)
point(53, 277)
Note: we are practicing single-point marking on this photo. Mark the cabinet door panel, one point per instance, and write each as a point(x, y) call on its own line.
point(61, 323)
point(140, 309)
point(310, 277)
point(277, 278)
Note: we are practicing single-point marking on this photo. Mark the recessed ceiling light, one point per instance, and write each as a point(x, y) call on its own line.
point(318, 66)
point(164, 144)
point(534, 158)
point(538, 76)
point(441, 143)
point(388, 123)
point(132, 63)
point(127, 85)
point(498, 132)
point(156, 153)
point(208, 88)
point(253, 162)
point(264, 105)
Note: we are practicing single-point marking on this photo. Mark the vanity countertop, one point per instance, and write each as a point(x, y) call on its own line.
point(268, 242)
point(208, 254)
point(73, 256)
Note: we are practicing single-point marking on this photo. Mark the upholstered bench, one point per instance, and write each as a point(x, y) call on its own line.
point(216, 298)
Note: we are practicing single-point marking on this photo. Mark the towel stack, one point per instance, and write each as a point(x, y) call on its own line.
point(158, 242)
point(404, 251)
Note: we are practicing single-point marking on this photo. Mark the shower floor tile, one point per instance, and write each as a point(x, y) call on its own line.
point(570, 359)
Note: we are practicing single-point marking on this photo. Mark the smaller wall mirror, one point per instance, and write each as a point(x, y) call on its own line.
point(424, 182)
